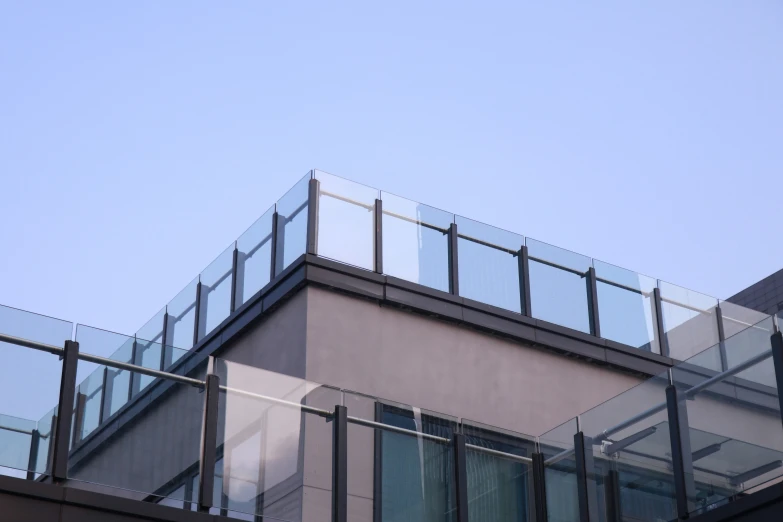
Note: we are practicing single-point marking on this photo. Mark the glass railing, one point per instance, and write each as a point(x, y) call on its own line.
point(269, 445)
point(678, 444)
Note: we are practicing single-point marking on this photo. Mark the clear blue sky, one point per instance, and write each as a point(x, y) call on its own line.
point(138, 140)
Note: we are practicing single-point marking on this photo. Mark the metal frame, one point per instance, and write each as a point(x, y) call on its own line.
point(614, 512)
point(724, 363)
point(65, 411)
point(524, 282)
point(273, 263)
point(32, 460)
point(313, 194)
point(539, 486)
point(235, 278)
point(682, 456)
point(340, 464)
point(585, 485)
point(377, 475)
point(777, 358)
point(460, 476)
point(592, 302)
point(197, 321)
point(378, 236)
point(660, 328)
point(208, 443)
point(453, 241)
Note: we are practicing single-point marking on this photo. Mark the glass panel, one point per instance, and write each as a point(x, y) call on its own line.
point(275, 453)
point(87, 404)
point(627, 439)
point(149, 339)
point(45, 424)
point(733, 423)
point(626, 307)
point(149, 456)
point(557, 448)
point(182, 314)
point(558, 285)
point(689, 320)
point(16, 443)
point(489, 264)
point(28, 373)
point(737, 318)
point(254, 257)
point(500, 488)
point(292, 225)
point(216, 292)
point(346, 221)
point(415, 242)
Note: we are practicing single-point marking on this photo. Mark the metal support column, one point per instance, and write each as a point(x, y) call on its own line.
point(612, 495)
point(724, 362)
point(539, 486)
point(276, 251)
point(198, 322)
point(777, 359)
point(62, 426)
point(32, 460)
point(134, 381)
point(453, 260)
point(592, 302)
point(340, 465)
point(524, 282)
point(585, 484)
point(682, 457)
point(208, 455)
point(460, 476)
point(313, 193)
point(78, 418)
point(378, 237)
point(106, 395)
point(377, 478)
point(660, 329)
point(165, 355)
point(235, 276)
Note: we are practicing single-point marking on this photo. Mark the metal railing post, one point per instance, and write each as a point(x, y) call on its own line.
point(199, 324)
point(660, 329)
point(106, 394)
point(165, 360)
point(539, 486)
point(62, 427)
point(592, 302)
point(340, 465)
point(524, 282)
point(612, 496)
point(682, 457)
point(377, 479)
point(585, 485)
point(460, 476)
point(32, 460)
point(208, 454)
point(453, 259)
point(724, 362)
point(313, 193)
point(134, 381)
point(378, 237)
point(235, 279)
point(275, 261)
point(777, 359)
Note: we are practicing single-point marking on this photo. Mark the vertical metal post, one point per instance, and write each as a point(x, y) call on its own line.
point(453, 260)
point(234, 279)
point(134, 380)
point(62, 425)
point(164, 360)
point(612, 496)
point(378, 237)
point(585, 484)
point(32, 460)
point(460, 476)
point(209, 429)
point(106, 396)
point(260, 478)
point(524, 282)
point(377, 478)
point(592, 302)
point(682, 457)
point(539, 486)
point(660, 329)
point(340, 465)
point(78, 418)
point(197, 320)
point(275, 262)
point(777, 359)
point(50, 449)
point(313, 193)
point(724, 362)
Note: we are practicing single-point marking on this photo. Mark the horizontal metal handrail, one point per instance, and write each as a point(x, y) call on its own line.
point(348, 200)
point(501, 454)
point(304, 407)
point(140, 369)
point(16, 430)
point(488, 244)
point(35, 345)
point(416, 221)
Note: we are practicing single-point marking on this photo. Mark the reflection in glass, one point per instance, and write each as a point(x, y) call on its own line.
point(689, 320)
point(254, 258)
point(415, 242)
point(346, 221)
point(216, 292)
point(558, 285)
point(181, 318)
point(489, 264)
point(626, 306)
point(292, 224)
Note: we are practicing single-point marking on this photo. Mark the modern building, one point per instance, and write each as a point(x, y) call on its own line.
point(356, 356)
point(765, 296)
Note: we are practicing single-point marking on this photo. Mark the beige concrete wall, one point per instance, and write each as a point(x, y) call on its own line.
point(405, 357)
